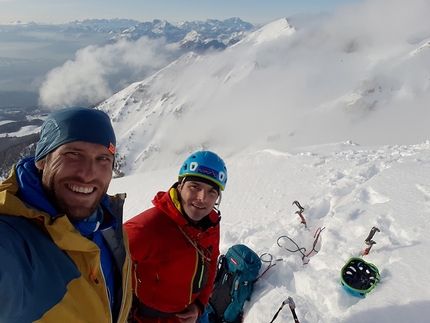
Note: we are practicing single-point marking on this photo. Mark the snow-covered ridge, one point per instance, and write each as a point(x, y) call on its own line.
point(272, 31)
point(277, 88)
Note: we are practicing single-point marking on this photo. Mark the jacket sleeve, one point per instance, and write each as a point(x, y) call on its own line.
point(12, 276)
point(19, 282)
point(34, 272)
point(138, 237)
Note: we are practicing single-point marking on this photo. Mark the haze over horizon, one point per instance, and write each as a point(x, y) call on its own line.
point(256, 12)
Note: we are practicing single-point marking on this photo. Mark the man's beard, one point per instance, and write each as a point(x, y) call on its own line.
point(73, 211)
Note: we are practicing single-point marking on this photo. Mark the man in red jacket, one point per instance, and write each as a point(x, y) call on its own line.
point(175, 244)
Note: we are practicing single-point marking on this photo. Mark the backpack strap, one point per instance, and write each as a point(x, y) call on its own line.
point(222, 264)
point(221, 294)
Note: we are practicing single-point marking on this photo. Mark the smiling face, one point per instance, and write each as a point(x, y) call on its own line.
point(197, 199)
point(76, 177)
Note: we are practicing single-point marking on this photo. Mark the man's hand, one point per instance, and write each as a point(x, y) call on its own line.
point(190, 314)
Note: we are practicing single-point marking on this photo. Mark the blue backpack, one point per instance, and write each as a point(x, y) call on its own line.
point(237, 272)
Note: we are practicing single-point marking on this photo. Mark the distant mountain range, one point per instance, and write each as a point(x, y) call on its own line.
point(103, 26)
point(190, 35)
point(196, 35)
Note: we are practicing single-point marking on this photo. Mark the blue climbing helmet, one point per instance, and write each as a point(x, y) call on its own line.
point(359, 277)
point(205, 164)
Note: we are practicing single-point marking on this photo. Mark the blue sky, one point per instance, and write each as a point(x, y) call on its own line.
point(254, 11)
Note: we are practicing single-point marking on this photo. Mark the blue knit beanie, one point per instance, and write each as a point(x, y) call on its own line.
point(75, 124)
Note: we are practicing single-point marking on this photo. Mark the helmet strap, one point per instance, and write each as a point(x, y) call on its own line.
point(218, 202)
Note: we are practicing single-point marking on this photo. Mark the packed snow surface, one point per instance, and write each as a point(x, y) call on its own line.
point(346, 189)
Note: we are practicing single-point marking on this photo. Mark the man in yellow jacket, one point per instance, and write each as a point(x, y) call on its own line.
point(63, 252)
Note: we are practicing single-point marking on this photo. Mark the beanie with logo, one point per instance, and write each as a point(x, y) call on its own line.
point(75, 124)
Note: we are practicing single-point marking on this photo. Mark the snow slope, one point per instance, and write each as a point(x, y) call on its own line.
point(343, 187)
point(355, 75)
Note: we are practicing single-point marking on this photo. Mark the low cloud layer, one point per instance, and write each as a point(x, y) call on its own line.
point(99, 71)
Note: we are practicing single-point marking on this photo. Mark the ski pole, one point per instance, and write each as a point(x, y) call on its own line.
point(292, 306)
point(299, 212)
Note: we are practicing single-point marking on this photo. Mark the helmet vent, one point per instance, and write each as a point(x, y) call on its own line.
point(194, 166)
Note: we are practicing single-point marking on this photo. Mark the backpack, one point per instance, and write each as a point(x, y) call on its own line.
point(237, 272)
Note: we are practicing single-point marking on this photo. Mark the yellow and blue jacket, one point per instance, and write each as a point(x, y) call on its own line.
point(50, 271)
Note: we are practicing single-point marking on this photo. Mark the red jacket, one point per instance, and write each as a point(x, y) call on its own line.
point(168, 252)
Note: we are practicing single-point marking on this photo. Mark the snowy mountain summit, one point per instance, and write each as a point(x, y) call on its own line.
point(195, 35)
point(284, 85)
